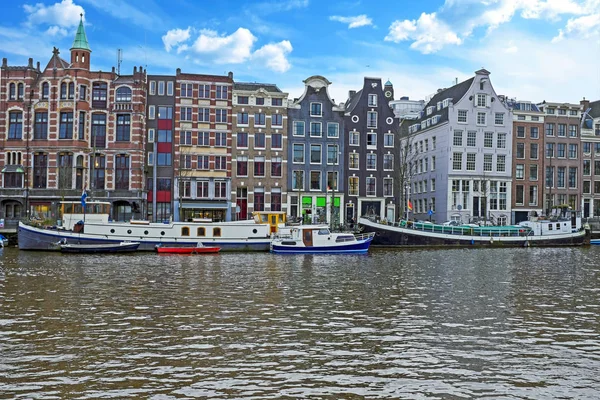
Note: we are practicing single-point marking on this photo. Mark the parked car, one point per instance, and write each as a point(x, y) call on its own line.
point(451, 223)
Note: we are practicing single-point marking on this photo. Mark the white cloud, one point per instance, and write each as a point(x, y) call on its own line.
point(353, 22)
point(274, 56)
point(428, 33)
point(56, 31)
point(235, 48)
point(65, 14)
point(174, 37)
point(582, 27)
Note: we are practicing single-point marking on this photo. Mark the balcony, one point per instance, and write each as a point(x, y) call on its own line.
point(116, 107)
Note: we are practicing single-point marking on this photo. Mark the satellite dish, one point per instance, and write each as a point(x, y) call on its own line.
point(459, 207)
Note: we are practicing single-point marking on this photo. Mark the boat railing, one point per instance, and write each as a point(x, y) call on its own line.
point(481, 231)
point(364, 236)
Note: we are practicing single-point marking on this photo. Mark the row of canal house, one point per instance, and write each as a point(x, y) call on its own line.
point(176, 147)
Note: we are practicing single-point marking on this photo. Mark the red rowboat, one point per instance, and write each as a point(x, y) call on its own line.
point(200, 249)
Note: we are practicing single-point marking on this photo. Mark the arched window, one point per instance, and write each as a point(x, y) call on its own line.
point(79, 172)
point(45, 90)
point(21, 91)
point(201, 232)
point(71, 90)
point(12, 90)
point(185, 231)
point(123, 94)
point(63, 90)
point(216, 232)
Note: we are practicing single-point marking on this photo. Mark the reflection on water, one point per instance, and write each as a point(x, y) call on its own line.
point(458, 324)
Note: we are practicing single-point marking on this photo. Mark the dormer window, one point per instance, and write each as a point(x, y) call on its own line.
point(429, 110)
point(439, 105)
point(446, 103)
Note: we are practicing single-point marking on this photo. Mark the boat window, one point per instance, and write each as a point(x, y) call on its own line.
point(216, 232)
point(201, 232)
point(324, 231)
point(549, 227)
point(68, 208)
point(558, 226)
point(344, 238)
point(185, 231)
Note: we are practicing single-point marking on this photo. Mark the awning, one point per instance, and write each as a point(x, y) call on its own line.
point(206, 205)
point(13, 168)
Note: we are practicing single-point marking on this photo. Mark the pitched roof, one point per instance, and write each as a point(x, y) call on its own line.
point(594, 109)
point(353, 101)
point(269, 87)
point(81, 41)
point(455, 93)
point(56, 61)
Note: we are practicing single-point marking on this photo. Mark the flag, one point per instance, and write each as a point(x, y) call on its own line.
point(83, 197)
point(409, 206)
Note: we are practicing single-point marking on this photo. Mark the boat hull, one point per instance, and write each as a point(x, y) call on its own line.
point(99, 248)
point(33, 238)
point(187, 250)
point(358, 247)
point(396, 236)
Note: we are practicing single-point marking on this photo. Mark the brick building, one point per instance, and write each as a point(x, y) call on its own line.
point(65, 128)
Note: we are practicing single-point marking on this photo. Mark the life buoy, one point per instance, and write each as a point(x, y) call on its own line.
point(404, 238)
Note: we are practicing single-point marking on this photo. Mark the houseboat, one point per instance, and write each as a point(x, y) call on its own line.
point(319, 239)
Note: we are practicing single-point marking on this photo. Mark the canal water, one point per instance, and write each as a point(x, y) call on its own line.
point(412, 324)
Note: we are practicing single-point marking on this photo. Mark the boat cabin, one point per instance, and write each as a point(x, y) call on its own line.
point(275, 219)
point(71, 212)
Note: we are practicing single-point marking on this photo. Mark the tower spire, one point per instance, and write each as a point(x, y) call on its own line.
point(80, 41)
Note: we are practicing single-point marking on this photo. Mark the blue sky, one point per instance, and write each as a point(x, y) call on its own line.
point(535, 49)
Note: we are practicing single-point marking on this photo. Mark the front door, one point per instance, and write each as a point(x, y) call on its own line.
point(476, 206)
point(307, 238)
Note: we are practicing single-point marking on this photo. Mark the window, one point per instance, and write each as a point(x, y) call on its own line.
point(333, 130)
point(45, 90)
point(276, 120)
point(353, 160)
point(242, 118)
point(123, 127)
point(499, 119)
point(260, 141)
point(372, 101)
point(501, 142)
point(186, 161)
point(332, 154)
point(221, 163)
point(203, 162)
point(549, 176)
point(277, 102)
point(534, 132)
point(259, 199)
point(572, 177)
point(371, 185)
point(315, 180)
point(81, 129)
point(457, 138)
point(520, 150)
point(298, 151)
point(549, 129)
point(353, 186)
point(332, 180)
point(520, 171)
point(388, 140)
point(533, 172)
point(562, 130)
point(186, 114)
point(457, 161)
point(15, 128)
point(276, 167)
point(533, 151)
point(481, 100)
point(40, 130)
point(587, 147)
point(562, 111)
point(66, 125)
point(315, 110)
point(315, 129)
point(533, 200)
point(123, 94)
point(185, 138)
point(297, 180)
point(63, 90)
point(242, 100)
point(471, 159)
point(500, 163)
point(587, 167)
point(298, 128)
point(242, 166)
point(204, 91)
point(220, 139)
point(488, 139)
point(388, 187)
point(242, 139)
point(202, 189)
point(354, 138)
point(388, 162)
point(169, 88)
point(98, 130)
point(572, 130)
point(259, 166)
point(276, 141)
point(433, 163)
point(152, 88)
point(221, 116)
point(40, 170)
point(487, 162)
point(560, 177)
point(520, 131)
point(371, 119)
point(161, 88)
point(371, 161)
point(221, 92)
point(561, 150)
point(315, 154)
point(65, 170)
point(481, 118)
point(122, 171)
point(371, 139)
point(203, 115)
point(462, 116)
point(259, 119)
point(99, 94)
point(204, 139)
point(151, 112)
point(572, 150)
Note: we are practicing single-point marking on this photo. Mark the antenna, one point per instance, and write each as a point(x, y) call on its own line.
point(119, 60)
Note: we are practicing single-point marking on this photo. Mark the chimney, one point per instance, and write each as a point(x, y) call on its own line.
point(351, 93)
point(113, 70)
point(178, 71)
point(585, 104)
point(4, 62)
point(134, 70)
point(30, 64)
point(230, 75)
point(38, 65)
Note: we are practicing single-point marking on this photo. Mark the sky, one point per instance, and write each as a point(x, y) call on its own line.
point(536, 50)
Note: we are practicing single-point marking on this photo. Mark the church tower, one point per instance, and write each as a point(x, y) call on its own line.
point(388, 91)
point(80, 51)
